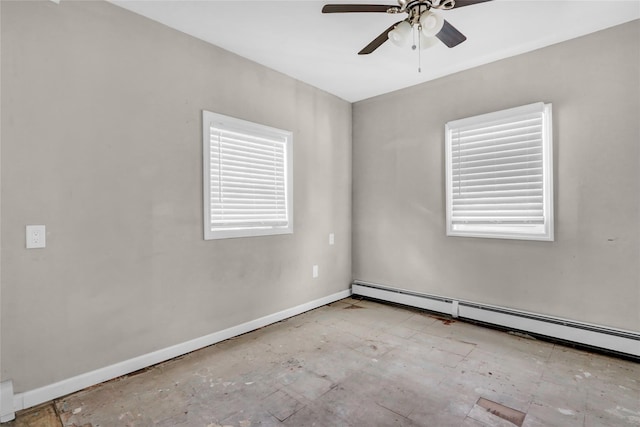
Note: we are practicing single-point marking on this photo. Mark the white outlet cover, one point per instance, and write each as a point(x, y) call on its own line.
point(331, 238)
point(36, 236)
point(315, 271)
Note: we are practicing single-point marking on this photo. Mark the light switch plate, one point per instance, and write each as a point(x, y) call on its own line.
point(331, 238)
point(315, 272)
point(36, 236)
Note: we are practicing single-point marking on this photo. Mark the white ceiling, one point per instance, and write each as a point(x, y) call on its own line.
point(295, 38)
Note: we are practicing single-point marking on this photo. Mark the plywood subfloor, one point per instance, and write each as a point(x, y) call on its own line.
point(41, 416)
point(362, 363)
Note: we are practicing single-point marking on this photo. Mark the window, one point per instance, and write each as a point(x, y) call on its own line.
point(499, 170)
point(247, 178)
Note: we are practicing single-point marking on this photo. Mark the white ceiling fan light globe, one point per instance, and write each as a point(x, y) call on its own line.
point(427, 42)
point(400, 34)
point(431, 23)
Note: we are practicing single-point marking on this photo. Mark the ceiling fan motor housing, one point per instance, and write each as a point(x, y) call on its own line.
point(410, 6)
point(416, 9)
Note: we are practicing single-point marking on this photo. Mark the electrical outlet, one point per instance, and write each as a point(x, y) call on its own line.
point(36, 236)
point(331, 239)
point(315, 272)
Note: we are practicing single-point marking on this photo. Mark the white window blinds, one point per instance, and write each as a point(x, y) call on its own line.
point(499, 174)
point(247, 179)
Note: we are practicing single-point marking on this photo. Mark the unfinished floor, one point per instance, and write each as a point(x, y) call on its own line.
point(362, 363)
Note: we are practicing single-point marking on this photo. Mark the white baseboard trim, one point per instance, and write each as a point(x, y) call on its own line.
point(603, 337)
point(7, 412)
point(49, 392)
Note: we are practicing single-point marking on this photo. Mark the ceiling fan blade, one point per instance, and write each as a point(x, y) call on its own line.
point(347, 8)
point(378, 41)
point(450, 36)
point(462, 3)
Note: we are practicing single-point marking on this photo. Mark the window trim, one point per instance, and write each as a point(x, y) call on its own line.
point(541, 232)
point(228, 122)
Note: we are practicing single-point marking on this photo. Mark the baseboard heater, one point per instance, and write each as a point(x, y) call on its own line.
point(622, 342)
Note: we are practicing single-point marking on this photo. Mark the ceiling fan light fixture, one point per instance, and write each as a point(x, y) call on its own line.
point(400, 34)
point(427, 42)
point(421, 21)
point(431, 23)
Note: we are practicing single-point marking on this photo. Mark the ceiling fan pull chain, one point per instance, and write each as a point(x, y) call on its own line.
point(419, 49)
point(413, 36)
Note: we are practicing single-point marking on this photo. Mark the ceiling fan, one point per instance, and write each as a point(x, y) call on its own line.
point(431, 26)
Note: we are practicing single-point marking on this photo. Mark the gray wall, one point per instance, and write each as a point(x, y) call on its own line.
point(101, 142)
point(0, 202)
point(591, 272)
